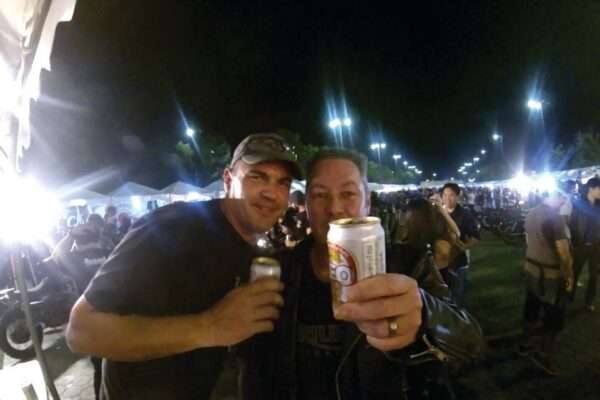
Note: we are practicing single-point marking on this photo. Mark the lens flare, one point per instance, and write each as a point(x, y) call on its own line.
point(27, 211)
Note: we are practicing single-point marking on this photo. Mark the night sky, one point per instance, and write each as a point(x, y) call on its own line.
point(433, 81)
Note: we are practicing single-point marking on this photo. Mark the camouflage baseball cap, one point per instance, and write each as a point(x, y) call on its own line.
point(263, 147)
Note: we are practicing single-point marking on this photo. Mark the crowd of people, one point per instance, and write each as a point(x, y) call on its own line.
point(170, 313)
point(562, 227)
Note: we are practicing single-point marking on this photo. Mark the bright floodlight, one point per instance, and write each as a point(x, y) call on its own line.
point(382, 145)
point(496, 137)
point(405, 163)
point(475, 159)
point(522, 183)
point(27, 211)
point(396, 157)
point(434, 174)
point(412, 167)
point(468, 164)
point(347, 122)
point(534, 105)
point(374, 146)
point(136, 203)
point(335, 123)
point(546, 183)
point(190, 132)
point(483, 151)
point(478, 171)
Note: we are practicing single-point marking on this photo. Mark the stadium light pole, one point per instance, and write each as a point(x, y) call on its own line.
point(499, 140)
point(337, 125)
point(396, 157)
point(378, 147)
point(534, 105)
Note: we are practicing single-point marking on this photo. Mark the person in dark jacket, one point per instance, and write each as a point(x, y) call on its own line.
point(585, 234)
point(458, 268)
point(368, 347)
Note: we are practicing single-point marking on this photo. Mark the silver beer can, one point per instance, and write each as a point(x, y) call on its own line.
point(264, 267)
point(356, 251)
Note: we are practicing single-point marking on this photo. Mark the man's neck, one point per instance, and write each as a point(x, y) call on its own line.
point(226, 206)
point(319, 259)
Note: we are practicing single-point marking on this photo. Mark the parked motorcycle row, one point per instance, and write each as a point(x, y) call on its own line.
point(55, 279)
point(508, 224)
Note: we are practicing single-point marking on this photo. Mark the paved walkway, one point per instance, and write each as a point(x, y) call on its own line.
point(77, 382)
point(74, 374)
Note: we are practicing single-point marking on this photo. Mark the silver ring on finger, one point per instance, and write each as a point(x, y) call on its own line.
point(392, 327)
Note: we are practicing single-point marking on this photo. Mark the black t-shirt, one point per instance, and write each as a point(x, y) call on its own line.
point(468, 229)
point(587, 215)
point(180, 259)
point(319, 340)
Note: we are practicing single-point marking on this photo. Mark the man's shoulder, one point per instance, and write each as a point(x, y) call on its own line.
point(461, 214)
point(180, 213)
point(458, 211)
point(583, 206)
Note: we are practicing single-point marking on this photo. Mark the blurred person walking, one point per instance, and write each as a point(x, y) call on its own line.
point(549, 279)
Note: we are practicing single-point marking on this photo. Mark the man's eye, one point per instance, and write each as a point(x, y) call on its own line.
point(319, 195)
point(348, 194)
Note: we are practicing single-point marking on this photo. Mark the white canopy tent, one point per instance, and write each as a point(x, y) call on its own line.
point(135, 198)
point(27, 29)
point(298, 185)
point(182, 191)
point(94, 202)
point(134, 189)
point(215, 189)
point(83, 197)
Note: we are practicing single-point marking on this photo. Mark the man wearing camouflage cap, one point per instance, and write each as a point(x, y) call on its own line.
point(173, 296)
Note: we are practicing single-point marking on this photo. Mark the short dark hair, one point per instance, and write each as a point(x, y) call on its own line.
point(297, 197)
point(452, 186)
point(593, 183)
point(358, 159)
point(95, 219)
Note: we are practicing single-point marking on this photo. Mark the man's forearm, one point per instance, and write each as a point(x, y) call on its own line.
point(566, 266)
point(133, 337)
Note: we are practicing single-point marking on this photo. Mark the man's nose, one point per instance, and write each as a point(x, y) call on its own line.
point(270, 191)
point(336, 208)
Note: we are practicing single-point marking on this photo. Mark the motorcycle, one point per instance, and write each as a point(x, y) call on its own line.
point(61, 279)
point(50, 301)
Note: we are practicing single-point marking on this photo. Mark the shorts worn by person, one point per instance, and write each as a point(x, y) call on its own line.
point(173, 296)
point(364, 350)
point(549, 277)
